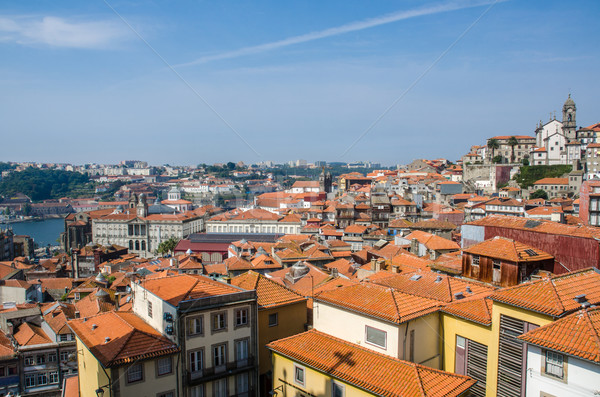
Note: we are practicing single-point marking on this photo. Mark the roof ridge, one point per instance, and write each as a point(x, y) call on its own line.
point(594, 331)
point(419, 379)
point(557, 296)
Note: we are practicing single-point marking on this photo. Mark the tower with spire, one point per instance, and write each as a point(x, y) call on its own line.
point(569, 126)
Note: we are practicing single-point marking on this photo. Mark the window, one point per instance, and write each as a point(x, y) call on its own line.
point(475, 260)
point(12, 370)
point(376, 337)
point(52, 357)
point(241, 383)
point(149, 309)
point(164, 366)
point(64, 356)
point(219, 321)
point(299, 375)
point(53, 377)
point(496, 264)
point(166, 394)
point(241, 349)
point(337, 389)
point(220, 388)
point(273, 319)
point(219, 355)
point(196, 360)
point(135, 373)
point(554, 364)
point(65, 337)
point(29, 360)
point(195, 326)
point(42, 379)
point(29, 380)
point(197, 391)
point(241, 317)
point(40, 359)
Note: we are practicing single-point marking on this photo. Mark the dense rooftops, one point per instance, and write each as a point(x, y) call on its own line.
point(368, 370)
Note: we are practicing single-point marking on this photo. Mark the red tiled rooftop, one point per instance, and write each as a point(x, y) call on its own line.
point(553, 296)
point(577, 335)
point(507, 249)
point(371, 371)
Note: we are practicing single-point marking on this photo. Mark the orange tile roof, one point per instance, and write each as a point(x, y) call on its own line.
point(6, 348)
point(174, 289)
point(432, 241)
point(577, 334)
point(477, 309)
point(432, 285)
point(363, 368)
point(269, 293)
point(552, 181)
point(507, 249)
point(384, 303)
point(553, 296)
point(130, 338)
point(30, 335)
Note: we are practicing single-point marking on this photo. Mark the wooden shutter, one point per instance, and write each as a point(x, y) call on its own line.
point(510, 357)
point(477, 366)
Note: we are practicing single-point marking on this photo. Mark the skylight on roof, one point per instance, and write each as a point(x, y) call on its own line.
point(415, 277)
point(531, 252)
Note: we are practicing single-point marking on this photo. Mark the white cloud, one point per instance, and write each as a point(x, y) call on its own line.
point(347, 28)
point(59, 32)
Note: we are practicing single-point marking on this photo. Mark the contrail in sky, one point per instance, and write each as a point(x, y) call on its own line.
point(347, 28)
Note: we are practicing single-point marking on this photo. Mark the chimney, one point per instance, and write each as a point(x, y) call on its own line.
point(117, 299)
point(395, 269)
point(374, 264)
point(458, 296)
point(94, 326)
point(469, 289)
point(414, 246)
point(335, 272)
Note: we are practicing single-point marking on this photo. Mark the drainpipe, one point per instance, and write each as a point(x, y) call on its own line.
point(404, 342)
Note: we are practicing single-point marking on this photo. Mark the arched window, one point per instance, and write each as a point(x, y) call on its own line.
point(143, 245)
point(131, 244)
point(137, 245)
point(570, 117)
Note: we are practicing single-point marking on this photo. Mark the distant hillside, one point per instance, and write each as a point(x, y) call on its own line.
point(531, 173)
point(44, 184)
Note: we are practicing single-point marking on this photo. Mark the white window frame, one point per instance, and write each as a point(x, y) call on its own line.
point(370, 342)
point(219, 354)
point(554, 364)
point(196, 362)
point(135, 373)
point(241, 317)
point(164, 366)
point(298, 369)
point(335, 385)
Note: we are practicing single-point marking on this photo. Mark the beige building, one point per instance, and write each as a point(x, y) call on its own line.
point(254, 221)
point(214, 323)
point(119, 354)
point(141, 231)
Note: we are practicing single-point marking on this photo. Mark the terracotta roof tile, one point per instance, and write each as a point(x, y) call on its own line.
point(577, 334)
point(380, 302)
point(553, 296)
point(129, 338)
point(377, 373)
point(269, 293)
point(174, 289)
point(507, 249)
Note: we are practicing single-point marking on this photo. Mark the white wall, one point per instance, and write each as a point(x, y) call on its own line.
point(583, 377)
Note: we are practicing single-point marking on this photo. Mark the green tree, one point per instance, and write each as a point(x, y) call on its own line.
point(497, 159)
point(539, 194)
point(493, 144)
point(26, 209)
point(167, 246)
point(512, 142)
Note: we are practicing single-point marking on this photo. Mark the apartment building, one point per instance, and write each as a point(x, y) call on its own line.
point(215, 326)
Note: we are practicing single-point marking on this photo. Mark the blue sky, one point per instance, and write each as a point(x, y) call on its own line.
point(202, 82)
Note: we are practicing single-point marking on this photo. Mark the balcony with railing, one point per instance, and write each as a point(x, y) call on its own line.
point(216, 372)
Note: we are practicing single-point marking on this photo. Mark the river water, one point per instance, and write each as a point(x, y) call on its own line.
point(43, 232)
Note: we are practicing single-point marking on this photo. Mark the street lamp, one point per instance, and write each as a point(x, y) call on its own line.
point(100, 391)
